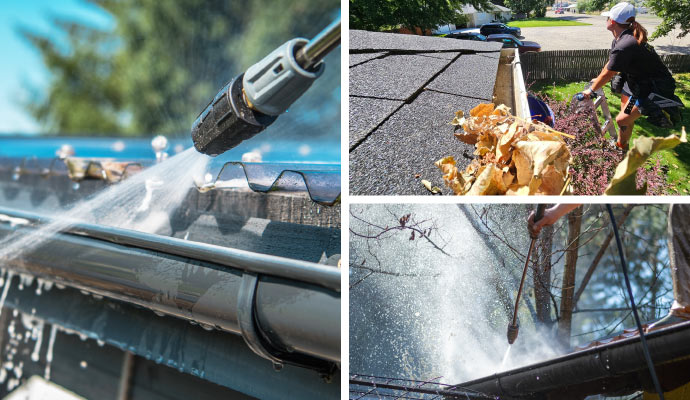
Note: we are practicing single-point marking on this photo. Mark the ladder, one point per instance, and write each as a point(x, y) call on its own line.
point(608, 125)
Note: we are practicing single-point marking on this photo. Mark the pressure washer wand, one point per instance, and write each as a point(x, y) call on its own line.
point(253, 100)
point(513, 328)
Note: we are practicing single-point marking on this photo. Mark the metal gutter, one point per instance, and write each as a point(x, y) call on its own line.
point(590, 371)
point(304, 271)
point(287, 311)
point(521, 105)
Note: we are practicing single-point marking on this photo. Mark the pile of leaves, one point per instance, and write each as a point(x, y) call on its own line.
point(512, 156)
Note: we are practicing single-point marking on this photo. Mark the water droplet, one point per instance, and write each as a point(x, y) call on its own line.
point(83, 364)
point(75, 186)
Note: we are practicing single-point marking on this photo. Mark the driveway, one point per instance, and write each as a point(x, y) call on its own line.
point(596, 36)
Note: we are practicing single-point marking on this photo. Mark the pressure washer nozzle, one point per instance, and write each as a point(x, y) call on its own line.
point(513, 333)
point(253, 100)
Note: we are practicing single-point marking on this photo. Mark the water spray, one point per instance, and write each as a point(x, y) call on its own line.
point(253, 100)
point(513, 328)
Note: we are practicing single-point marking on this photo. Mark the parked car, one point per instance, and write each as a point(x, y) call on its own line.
point(499, 28)
point(467, 36)
point(559, 11)
point(510, 41)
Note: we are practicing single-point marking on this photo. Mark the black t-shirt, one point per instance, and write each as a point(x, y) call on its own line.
point(639, 62)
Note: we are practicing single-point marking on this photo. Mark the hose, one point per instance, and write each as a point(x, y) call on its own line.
point(645, 349)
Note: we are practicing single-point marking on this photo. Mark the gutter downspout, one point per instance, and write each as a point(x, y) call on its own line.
point(288, 319)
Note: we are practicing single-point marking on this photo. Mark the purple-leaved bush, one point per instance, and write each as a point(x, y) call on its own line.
point(594, 156)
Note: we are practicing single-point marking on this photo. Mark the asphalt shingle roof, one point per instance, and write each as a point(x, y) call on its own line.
point(404, 90)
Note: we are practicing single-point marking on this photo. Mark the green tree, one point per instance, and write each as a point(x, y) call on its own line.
point(425, 14)
point(524, 6)
point(161, 62)
point(674, 13)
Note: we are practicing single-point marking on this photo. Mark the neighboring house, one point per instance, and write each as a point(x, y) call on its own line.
point(572, 8)
point(478, 18)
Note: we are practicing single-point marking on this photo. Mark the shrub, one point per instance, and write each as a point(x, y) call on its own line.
point(594, 157)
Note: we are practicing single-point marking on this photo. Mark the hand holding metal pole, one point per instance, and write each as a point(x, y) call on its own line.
point(513, 328)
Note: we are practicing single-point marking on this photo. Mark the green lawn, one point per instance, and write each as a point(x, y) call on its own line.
point(675, 161)
point(544, 21)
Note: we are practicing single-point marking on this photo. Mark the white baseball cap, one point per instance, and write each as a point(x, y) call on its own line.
point(621, 12)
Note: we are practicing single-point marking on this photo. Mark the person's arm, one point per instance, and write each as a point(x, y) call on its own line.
point(551, 215)
point(604, 77)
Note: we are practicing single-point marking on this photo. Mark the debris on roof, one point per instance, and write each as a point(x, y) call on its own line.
point(513, 156)
point(402, 90)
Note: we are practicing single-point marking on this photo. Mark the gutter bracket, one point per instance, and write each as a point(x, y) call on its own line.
point(259, 342)
point(246, 319)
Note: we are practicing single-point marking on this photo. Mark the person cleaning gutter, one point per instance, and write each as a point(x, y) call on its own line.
point(645, 84)
point(678, 251)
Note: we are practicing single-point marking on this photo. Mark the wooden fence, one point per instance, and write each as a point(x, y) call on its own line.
point(580, 65)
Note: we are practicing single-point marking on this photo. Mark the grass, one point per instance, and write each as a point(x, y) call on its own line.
point(543, 21)
point(676, 161)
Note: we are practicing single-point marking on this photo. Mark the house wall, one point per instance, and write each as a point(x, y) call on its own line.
point(478, 19)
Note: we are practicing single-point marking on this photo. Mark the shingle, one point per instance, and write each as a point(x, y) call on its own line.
point(446, 56)
point(366, 114)
point(407, 144)
point(395, 77)
point(470, 75)
point(360, 58)
point(364, 40)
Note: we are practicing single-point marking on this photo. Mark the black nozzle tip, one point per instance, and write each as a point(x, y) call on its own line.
point(512, 333)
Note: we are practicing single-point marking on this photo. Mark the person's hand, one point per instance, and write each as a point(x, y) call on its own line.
point(587, 93)
point(534, 228)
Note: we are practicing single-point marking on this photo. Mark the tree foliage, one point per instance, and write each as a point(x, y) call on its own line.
point(376, 15)
point(674, 13)
point(524, 6)
point(162, 61)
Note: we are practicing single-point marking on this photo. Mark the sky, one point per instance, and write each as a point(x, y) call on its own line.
point(21, 67)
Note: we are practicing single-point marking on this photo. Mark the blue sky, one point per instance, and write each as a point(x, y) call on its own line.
point(21, 67)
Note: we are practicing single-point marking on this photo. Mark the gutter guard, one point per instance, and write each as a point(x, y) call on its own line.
point(320, 181)
point(292, 309)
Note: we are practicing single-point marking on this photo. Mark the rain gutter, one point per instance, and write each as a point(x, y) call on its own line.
point(287, 311)
point(593, 370)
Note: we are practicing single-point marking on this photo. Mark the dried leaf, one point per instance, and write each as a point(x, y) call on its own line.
point(517, 190)
point(489, 182)
point(513, 156)
point(465, 137)
point(459, 119)
point(505, 142)
point(434, 189)
point(482, 110)
point(624, 179)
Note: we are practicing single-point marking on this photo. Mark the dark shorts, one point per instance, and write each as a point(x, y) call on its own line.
point(653, 95)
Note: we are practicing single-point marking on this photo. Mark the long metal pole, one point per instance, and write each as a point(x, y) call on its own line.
point(319, 46)
point(513, 328)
